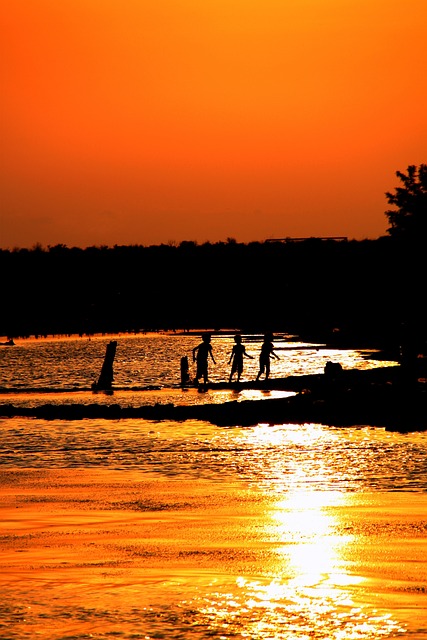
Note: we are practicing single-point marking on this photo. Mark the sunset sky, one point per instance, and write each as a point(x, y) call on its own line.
point(156, 121)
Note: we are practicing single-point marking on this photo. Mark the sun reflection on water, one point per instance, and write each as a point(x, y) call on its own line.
point(306, 531)
point(308, 593)
point(278, 610)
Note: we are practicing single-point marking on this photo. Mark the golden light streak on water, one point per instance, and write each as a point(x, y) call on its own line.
point(278, 610)
point(310, 593)
point(312, 549)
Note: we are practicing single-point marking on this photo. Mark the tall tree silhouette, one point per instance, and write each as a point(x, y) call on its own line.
point(409, 220)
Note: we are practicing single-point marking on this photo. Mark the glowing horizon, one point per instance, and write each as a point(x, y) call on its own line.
point(146, 123)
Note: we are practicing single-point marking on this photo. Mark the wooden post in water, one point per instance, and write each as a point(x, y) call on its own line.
point(105, 379)
point(185, 376)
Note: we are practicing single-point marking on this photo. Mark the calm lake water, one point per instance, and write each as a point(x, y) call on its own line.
point(297, 478)
point(150, 366)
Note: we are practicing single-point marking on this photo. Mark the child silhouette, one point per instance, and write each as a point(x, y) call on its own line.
point(236, 358)
point(267, 351)
point(201, 354)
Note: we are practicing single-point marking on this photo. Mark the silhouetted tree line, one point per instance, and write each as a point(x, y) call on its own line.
point(365, 292)
point(357, 290)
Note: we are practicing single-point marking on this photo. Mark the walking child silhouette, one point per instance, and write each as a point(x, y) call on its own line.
point(201, 353)
point(236, 358)
point(267, 352)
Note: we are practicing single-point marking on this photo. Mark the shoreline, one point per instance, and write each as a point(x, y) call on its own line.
point(391, 397)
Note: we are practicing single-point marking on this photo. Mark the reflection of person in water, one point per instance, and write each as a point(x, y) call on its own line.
point(236, 358)
point(201, 354)
point(267, 352)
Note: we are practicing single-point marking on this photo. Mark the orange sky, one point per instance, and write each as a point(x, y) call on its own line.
point(146, 122)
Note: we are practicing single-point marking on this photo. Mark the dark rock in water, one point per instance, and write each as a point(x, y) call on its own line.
point(333, 370)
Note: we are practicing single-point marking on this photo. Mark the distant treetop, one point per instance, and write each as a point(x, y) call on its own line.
point(409, 219)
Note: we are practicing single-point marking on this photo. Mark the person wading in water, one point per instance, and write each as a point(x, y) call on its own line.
point(201, 353)
point(267, 352)
point(236, 358)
